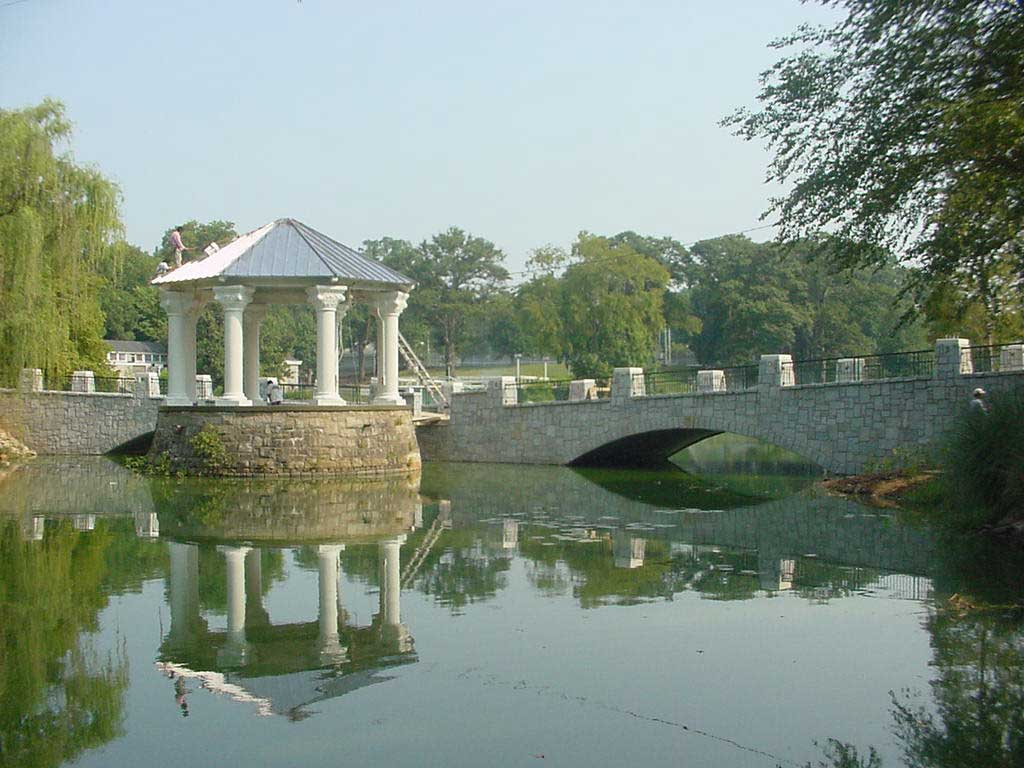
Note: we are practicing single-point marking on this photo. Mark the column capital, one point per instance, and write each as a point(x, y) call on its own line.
point(390, 303)
point(179, 302)
point(235, 297)
point(326, 296)
point(256, 313)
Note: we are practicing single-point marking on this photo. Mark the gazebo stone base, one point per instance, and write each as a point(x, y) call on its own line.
point(286, 440)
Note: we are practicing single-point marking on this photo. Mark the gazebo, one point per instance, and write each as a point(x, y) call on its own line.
point(283, 262)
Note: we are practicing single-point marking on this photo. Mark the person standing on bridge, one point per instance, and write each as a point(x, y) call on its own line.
point(978, 404)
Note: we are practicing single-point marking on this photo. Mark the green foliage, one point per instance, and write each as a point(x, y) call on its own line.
point(900, 129)
point(57, 220)
point(58, 698)
point(131, 306)
point(611, 306)
point(984, 464)
point(754, 298)
point(455, 274)
point(209, 448)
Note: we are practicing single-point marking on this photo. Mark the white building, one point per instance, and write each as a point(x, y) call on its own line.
point(131, 357)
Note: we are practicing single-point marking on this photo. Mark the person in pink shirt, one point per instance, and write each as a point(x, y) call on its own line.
point(179, 246)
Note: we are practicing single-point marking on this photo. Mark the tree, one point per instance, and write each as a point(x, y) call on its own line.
point(131, 306)
point(611, 306)
point(57, 220)
point(901, 130)
point(455, 273)
point(668, 252)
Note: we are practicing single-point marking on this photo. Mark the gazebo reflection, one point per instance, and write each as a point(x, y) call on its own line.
point(283, 668)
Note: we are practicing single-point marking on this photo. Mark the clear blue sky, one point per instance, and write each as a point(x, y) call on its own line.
point(523, 122)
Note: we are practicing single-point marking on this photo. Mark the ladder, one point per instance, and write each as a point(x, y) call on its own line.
point(421, 372)
point(441, 523)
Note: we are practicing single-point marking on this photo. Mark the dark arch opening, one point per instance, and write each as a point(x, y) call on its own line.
point(137, 446)
point(646, 449)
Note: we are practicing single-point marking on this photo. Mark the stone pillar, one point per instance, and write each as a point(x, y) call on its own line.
point(581, 389)
point(1011, 357)
point(147, 385)
point(184, 591)
point(414, 399)
point(251, 322)
point(83, 381)
point(509, 533)
point(775, 371)
point(391, 581)
point(326, 299)
point(628, 383)
point(502, 391)
point(234, 299)
point(628, 550)
point(952, 358)
point(234, 652)
point(390, 306)
point(711, 381)
point(30, 380)
point(849, 369)
point(204, 387)
point(182, 313)
point(331, 650)
point(147, 525)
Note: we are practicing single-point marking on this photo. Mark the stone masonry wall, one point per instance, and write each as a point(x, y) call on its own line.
point(842, 427)
point(76, 422)
point(291, 440)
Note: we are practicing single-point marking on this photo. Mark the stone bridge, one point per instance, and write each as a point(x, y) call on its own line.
point(842, 426)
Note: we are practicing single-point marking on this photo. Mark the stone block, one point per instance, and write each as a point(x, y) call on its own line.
point(502, 391)
point(711, 381)
point(775, 371)
point(30, 380)
point(582, 389)
point(83, 381)
point(849, 369)
point(204, 386)
point(147, 385)
point(1011, 357)
point(414, 399)
point(952, 358)
point(628, 383)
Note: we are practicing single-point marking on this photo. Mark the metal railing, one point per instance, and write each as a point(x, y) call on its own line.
point(670, 382)
point(740, 377)
point(891, 365)
point(124, 385)
point(542, 391)
point(994, 358)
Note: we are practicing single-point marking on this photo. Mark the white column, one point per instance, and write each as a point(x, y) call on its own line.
point(326, 299)
point(331, 649)
point(191, 319)
point(251, 322)
point(235, 650)
point(184, 590)
point(390, 306)
point(181, 328)
point(234, 299)
point(391, 581)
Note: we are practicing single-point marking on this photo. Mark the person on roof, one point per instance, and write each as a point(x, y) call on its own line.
point(179, 245)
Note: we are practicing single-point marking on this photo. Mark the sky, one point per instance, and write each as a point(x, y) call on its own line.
point(522, 122)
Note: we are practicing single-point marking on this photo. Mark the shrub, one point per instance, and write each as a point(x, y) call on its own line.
point(985, 461)
point(209, 447)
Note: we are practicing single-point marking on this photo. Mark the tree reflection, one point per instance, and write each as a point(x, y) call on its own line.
point(979, 695)
point(57, 696)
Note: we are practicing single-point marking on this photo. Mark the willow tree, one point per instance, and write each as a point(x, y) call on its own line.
point(57, 219)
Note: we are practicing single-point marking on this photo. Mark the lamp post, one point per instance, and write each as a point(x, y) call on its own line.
point(546, 359)
point(519, 358)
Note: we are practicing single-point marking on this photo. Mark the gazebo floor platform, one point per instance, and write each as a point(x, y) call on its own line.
point(290, 439)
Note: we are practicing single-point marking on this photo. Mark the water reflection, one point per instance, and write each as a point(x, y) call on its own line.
point(223, 549)
point(279, 667)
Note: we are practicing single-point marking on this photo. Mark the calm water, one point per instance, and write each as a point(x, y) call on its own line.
point(493, 616)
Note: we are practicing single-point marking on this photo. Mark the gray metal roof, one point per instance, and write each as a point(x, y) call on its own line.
point(122, 345)
point(286, 249)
